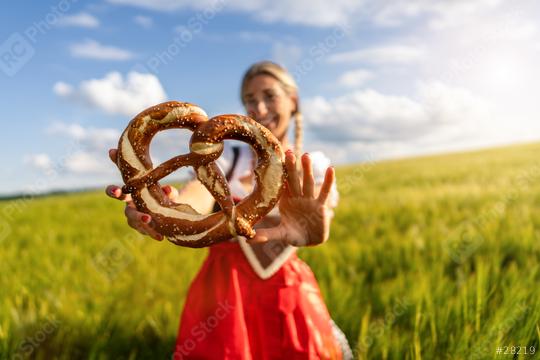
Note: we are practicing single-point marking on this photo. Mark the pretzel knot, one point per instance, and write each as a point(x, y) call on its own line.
point(180, 223)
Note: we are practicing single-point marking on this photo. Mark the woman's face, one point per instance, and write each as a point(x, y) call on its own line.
point(267, 102)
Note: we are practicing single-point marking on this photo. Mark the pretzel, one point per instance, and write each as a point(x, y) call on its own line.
point(180, 223)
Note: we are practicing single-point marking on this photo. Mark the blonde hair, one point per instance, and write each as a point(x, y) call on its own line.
point(289, 86)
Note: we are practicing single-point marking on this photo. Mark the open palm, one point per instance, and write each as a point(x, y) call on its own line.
point(305, 218)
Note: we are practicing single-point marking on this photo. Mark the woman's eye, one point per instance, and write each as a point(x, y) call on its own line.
point(270, 97)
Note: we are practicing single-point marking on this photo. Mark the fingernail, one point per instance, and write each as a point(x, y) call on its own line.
point(159, 237)
point(167, 189)
point(288, 152)
point(145, 218)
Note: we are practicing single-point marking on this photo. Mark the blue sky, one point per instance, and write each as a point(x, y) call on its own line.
point(377, 79)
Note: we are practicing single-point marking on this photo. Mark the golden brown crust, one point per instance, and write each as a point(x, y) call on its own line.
point(179, 222)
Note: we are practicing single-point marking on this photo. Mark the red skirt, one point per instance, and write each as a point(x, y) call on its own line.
point(231, 313)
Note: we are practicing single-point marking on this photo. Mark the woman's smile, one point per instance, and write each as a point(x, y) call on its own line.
point(269, 121)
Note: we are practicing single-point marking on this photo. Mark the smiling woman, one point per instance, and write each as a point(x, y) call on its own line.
point(276, 307)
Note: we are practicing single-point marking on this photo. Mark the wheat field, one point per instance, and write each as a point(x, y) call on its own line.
point(429, 258)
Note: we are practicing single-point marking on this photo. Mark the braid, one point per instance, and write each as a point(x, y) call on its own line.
point(298, 134)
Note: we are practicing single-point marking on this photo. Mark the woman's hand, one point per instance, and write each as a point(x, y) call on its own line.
point(305, 218)
point(139, 221)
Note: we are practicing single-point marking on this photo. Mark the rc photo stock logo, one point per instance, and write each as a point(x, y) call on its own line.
point(15, 52)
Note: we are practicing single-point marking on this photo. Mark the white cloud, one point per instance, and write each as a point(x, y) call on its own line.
point(355, 78)
point(90, 138)
point(321, 13)
point(88, 163)
point(91, 49)
point(79, 162)
point(386, 54)
point(324, 13)
point(521, 30)
point(144, 21)
point(39, 161)
point(254, 36)
point(82, 19)
point(60, 88)
point(318, 13)
point(442, 115)
point(86, 152)
point(440, 14)
point(75, 131)
point(160, 5)
point(117, 95)
point(88, 149)
point(286, 54)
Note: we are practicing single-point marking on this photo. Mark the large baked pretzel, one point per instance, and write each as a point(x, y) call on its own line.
point(180, 223)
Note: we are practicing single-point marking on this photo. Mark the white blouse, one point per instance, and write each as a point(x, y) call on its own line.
point(244, 167)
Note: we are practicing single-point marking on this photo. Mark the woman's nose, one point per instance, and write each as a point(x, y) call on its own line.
point(261, 110)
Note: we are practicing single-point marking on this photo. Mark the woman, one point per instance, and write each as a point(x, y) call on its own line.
point(256, 299)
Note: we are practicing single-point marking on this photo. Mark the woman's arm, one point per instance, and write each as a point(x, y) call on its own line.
point(195, 194)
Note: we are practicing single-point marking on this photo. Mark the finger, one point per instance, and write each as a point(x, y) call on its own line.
point(113, 155)
point(292, 174)
point(170, 191)
point(116, 193)
point(140, 229)
point(268, 234)
point(136, 217)
point(152, 232)
point(326, 186)
point(141, 222)
point(309, 181)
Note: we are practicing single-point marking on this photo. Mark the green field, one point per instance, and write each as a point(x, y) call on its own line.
point(434, 257)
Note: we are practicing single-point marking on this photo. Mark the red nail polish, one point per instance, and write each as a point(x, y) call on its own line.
point(167, 190)
point(145, 218)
